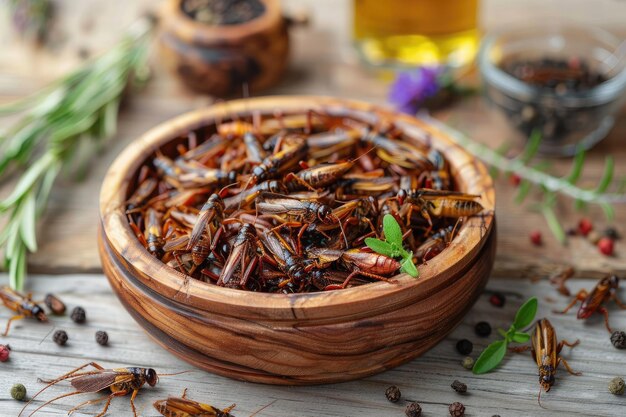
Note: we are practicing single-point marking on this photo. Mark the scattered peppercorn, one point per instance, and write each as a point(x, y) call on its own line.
point(618, 338)
point(497, 299)
point(606, 246)
point(18, 392)
point(459, 387)
point(496, 415)
point(594, 237)
point(616, 386)
point(102, 337)
point(535, 238)
point(413, 410)
point(464, 347)
point(60, 337)
point(482, 329)
point(5, 351)
point(571, 231)
point(55, 304)
point(585, 226)
point(457, 409)
point(468, 363)
point(611, 233)
point(393, 394)
point(79, 315)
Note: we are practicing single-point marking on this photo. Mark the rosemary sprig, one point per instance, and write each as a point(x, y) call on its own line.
point(535, 174)
point(79, 110)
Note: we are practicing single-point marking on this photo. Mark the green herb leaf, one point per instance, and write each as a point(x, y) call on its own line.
point(408, 267)
point(532, 146)
point(520, 337)
point(28, 223)
point(380, 246)
point(490, 357)
point(607, 176)
point(522, 191)
point(393, 233)
point(577, 167)
point(609, 211)
point(526, 313)
point(553, 224)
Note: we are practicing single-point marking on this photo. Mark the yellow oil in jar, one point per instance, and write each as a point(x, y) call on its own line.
point(416, 32)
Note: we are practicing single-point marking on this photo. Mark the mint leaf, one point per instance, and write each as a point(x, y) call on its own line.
point(526, 313)
point(520, 337)
point(490, 357)
point(380, 246)
point(408, 267)
point(393, 233)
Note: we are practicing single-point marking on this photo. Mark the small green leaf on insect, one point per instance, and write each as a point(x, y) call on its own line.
point(520, 337)
point(393, 233)
point(490, 357)
point(408, 267)
point(379, 246)
point(526, 313)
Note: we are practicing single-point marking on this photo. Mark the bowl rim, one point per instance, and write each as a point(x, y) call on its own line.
point(604, 92)
point(185, 27)
point(471, 174)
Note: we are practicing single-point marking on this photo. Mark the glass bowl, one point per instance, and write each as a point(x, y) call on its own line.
point(567, 120)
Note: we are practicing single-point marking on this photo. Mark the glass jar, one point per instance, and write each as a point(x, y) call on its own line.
point(405, 33)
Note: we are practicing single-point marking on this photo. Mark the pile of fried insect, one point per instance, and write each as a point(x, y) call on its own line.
point(283, 204)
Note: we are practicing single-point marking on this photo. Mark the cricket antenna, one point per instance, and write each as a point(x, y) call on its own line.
point(539, 399)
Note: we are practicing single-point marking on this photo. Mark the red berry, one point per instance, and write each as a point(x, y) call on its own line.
point(605, 245)
point(535, 237)
point(585, 226)
point(497, 299)
point(5, 350)
point(515, 179)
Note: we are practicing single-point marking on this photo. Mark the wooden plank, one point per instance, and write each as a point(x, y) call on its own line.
point(323, 63)
point(510, 391)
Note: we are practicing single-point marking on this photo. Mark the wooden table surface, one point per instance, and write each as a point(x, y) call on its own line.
point(511, 391)
point(322, 63)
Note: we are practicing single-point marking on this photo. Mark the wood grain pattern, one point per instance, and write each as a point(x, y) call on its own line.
point(511, 391)
point(323, 337)
point(217, 60)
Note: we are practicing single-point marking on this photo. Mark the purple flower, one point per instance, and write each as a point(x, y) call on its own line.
point(410, 89)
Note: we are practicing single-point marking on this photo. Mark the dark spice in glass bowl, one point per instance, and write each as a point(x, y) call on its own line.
point(223, 12)
point(559, 76)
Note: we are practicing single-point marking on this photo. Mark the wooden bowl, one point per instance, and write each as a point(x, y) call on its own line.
point(219, 59)
point(297, 338)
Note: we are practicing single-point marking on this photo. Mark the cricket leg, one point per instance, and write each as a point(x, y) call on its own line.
point(582, 294)
point(605, 312)
point(14, 318)
point(566, 365)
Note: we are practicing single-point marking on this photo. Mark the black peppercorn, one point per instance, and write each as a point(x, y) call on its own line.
point(482, 329)
point(464, 347)
point(413, 410)
point(611, 233)
point(457, 409)
point(459, 387)
point(618, 338)
point(102, 337)
point(497, 299)
point(60, 337)
point(393, 394)
point(79, 315)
